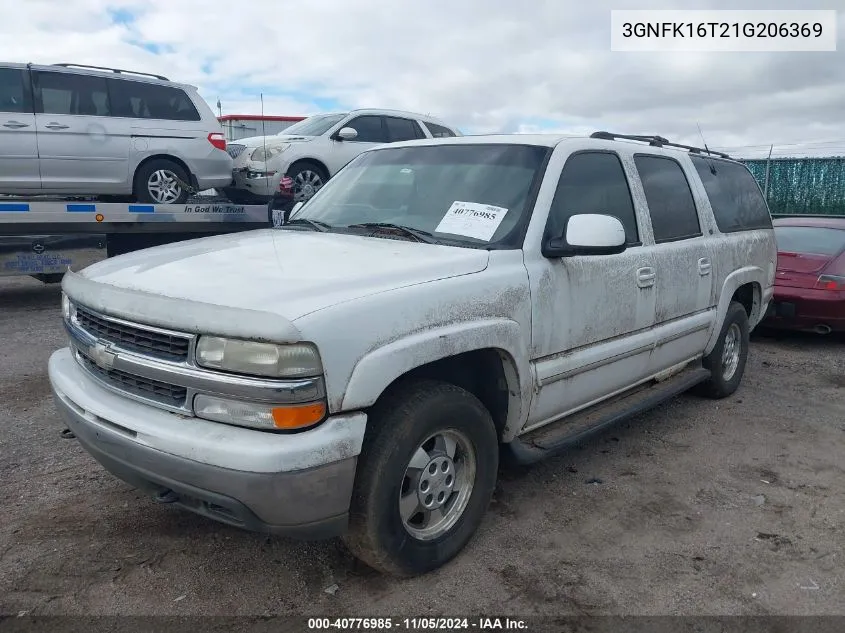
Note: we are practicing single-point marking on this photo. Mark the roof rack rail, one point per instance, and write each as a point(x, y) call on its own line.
point(656, 141)
point(114, 70)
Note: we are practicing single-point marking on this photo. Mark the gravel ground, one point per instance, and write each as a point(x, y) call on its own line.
point(731, 507)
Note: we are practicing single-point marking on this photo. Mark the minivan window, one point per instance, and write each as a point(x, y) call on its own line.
point(69, 93)
point(735, 196)
point(141, 100)
point(425, 188)
point(669, 198)
point(14, 95)
point(402, 129)
point(592, 182)
point(438, 131)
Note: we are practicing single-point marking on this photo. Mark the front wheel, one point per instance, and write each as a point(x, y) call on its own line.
point(726, 361)
point(308, 178)
point(425, 478)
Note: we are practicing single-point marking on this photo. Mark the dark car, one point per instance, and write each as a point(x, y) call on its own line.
point(810, 278)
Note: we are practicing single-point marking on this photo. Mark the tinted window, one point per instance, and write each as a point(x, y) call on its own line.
point(734, 195)
point(66, 93)
point(669, 198)
point(438, 131)
point(810, 240)
point(14, 96)
point(592, 182)
point(369, 129)
point(139, 100)
point(402, 129)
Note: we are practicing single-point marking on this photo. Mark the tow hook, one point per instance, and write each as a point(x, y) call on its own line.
point(166, 496)
point(67, 434)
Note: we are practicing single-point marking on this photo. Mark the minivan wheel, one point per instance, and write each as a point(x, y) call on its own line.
point(308, 178)
point(425, 478)
point(726, 361)
point(158, 182)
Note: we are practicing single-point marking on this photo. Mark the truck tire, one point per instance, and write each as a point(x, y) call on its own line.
point(424, 479)
point(726, 361)
point(155, 183)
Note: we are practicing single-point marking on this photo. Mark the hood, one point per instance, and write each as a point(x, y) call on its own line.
point(275, 139)
point(274, 272)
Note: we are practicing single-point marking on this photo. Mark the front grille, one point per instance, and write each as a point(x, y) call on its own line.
point(134, 338)
point(167, 394)
point(235, 149)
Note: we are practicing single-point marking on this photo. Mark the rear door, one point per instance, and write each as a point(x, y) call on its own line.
point(83, 148)
point(19, 171)
point(401, 129)
point(683, 262)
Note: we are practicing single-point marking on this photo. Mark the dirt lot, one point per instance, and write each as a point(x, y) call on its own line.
point(733, 507)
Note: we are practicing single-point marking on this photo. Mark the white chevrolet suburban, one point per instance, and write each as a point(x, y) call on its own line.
point(437, 305)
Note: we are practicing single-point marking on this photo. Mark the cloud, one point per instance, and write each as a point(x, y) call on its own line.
point(484, 65)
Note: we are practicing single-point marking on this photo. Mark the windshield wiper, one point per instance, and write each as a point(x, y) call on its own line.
point(417, 234)
point(314, 224)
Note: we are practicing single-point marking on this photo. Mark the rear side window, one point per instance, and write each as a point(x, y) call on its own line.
point(592, 182)
point(140, 100)
point(669, 198)
point(67, 93)
point(811, 240)
point(438, 131)
point(402, 129)
point(14, 91)
point(734, 195)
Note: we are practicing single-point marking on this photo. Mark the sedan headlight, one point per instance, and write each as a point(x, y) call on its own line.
point(300, 360)
point(263, 154)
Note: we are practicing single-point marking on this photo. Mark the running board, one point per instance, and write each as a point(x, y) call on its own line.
point(573, 429)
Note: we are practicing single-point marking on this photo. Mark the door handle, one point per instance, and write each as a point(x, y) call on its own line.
point(15, 125)
point(704, 266)
point(56, 126)
point(646, 277)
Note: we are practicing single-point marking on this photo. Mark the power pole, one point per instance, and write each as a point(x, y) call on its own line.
point(768, 164)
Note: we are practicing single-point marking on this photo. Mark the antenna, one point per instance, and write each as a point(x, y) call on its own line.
point(263, 130)
point(706, 149)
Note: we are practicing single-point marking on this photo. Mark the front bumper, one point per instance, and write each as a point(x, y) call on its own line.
point(297, 485)
point(263, 188)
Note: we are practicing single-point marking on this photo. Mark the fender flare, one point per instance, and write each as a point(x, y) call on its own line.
point(746, 275)
point(381, 366)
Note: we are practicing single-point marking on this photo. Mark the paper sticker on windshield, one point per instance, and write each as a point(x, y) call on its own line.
point(472, 220)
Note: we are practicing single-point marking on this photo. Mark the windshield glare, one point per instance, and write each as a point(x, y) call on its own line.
point(313, 125)
point(466, 194)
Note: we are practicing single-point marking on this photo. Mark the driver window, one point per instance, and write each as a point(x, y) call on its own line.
point(370, 130)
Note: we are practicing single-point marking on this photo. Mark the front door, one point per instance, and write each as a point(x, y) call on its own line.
point(592, 315)
point(19, 170)
point(83, 148)
point(371, 132)
point(684, 267)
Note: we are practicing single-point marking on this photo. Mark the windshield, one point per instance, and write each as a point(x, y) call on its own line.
point(313, 125)
point(472, 195)
point(815, 240)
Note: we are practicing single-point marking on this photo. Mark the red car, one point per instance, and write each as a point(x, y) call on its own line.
point(810, 277)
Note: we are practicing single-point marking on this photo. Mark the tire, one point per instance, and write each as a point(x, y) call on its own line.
point(161, 170)
point(723, 382)
point(397, 426)
point(298, 172)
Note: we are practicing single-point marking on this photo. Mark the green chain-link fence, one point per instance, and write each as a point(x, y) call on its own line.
point(803, 185)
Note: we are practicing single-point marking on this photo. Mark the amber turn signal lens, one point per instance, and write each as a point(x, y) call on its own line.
point(298, 416)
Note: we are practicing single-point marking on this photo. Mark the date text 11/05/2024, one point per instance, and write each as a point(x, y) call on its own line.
point(418, 624)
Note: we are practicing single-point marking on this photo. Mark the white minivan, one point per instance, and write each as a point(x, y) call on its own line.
point(68, 130)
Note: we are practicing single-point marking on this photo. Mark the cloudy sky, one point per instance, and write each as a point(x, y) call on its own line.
point(484, 65)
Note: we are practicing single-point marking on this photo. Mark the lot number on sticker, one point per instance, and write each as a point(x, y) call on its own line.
point(472, 220)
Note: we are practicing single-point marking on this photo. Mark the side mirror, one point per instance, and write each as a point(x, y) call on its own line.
point(588, 234)
point(347, 134)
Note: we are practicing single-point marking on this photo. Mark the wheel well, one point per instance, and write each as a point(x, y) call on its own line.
point(312, 161)
point(481, 372)
point(749, 296)
point(178, 161)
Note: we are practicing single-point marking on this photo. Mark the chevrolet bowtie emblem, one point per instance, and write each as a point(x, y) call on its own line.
point(101, 355)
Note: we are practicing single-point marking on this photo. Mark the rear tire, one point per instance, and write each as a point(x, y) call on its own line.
point(155, 183)
point(405, 457)
point(726, 361)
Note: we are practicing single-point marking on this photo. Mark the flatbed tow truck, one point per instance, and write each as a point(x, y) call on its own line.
point(43, 236)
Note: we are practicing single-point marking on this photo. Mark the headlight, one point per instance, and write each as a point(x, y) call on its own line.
point(263, 154)
point(299, 360)
point(68, 309)
point(268, 417)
